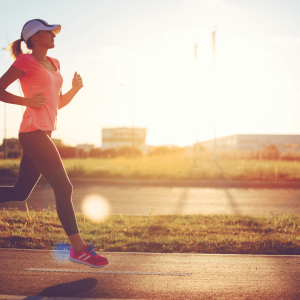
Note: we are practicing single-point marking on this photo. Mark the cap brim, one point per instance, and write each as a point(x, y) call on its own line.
point(56, 29)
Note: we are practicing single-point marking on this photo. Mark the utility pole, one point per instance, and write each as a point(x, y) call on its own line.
point(195, 59)
point(132, 86)
point(133, 139)
point(5, 140)
point(197, 147)
point(214, 58)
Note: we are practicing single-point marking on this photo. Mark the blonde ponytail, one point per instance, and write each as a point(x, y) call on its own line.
point(15, 49)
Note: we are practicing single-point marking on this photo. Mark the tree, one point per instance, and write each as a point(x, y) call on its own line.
point(271, 152)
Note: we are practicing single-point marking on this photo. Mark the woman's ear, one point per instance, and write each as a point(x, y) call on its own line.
point(35, 37)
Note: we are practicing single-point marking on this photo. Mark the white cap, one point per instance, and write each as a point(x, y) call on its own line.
point(33, 26)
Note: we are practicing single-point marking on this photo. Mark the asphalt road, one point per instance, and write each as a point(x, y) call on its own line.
point(151, 276)
point(160, 200)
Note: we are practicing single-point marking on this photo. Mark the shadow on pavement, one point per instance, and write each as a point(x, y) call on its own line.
point(70, 289)
point(232, 202)
point(184, 196)
point(181, 202)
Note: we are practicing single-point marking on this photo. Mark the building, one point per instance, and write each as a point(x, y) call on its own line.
point(116, 138)
point(83, 150)
point(240, 142)
point(13, 148)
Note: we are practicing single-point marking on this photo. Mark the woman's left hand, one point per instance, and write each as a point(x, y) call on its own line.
point(77, 83)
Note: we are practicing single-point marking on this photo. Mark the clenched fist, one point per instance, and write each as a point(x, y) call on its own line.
point(77, 83)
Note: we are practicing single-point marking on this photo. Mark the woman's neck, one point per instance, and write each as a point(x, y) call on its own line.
point(40, 54)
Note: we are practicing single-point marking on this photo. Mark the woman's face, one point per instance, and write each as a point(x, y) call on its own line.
point(45, 38)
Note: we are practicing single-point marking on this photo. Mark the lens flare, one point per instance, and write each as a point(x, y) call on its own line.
point(61, 253)
point(95, 207)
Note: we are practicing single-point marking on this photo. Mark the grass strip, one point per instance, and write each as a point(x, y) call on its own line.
point(173, 168)
point(167, 234)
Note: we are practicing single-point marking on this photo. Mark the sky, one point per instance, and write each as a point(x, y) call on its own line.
point(252, 88)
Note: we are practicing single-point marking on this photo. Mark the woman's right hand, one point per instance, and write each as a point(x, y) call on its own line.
point(36, 101)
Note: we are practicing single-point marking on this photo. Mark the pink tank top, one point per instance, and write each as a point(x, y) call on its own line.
point(38, 79)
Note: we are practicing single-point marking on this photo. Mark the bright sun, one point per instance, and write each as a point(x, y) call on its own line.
point(195, 94)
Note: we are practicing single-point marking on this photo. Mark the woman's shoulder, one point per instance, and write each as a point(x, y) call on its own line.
point(24, 57)
point(23, 62)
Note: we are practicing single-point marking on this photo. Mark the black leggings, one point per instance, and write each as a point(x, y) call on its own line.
point(40, 156)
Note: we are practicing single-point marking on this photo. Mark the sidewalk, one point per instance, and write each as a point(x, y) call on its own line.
point(48, 273)
point(178, 183)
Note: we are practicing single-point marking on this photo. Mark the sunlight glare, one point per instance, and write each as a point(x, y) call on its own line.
point(171, 86)
point(95, 207)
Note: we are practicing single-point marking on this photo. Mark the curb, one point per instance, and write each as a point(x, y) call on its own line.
point(173, 183)
point(164, 253)
point(16, 297)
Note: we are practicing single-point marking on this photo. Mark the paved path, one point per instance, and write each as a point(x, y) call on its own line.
point(151, 276)
point(141, 200)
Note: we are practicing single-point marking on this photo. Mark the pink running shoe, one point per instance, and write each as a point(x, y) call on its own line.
point(88, 257)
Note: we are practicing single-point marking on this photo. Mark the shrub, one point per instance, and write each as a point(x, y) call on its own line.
point(129, 152)
point(290, 156)
point(14, 154)
point(96, 152)
point(165, 150)
point(110, 153)
point(67, 151)
point(238, 154)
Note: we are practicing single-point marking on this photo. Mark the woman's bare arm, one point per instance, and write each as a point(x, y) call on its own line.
point(67, 97)
point(11, 75)
point(8, 78)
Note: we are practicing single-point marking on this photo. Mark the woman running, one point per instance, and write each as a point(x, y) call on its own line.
point(41, 82)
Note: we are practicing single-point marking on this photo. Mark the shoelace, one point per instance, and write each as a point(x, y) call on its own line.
point(90, 249)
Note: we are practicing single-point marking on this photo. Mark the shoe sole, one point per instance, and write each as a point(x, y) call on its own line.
point(85, 263)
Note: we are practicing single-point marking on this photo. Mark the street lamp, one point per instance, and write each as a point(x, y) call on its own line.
point(132, 86)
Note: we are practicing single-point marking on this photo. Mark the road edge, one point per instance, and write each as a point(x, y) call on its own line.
point(157, 253)
point(172, 183)
point(17, 297)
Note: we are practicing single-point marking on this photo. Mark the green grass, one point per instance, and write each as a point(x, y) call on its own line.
point(174, 234)
point(174, 167)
